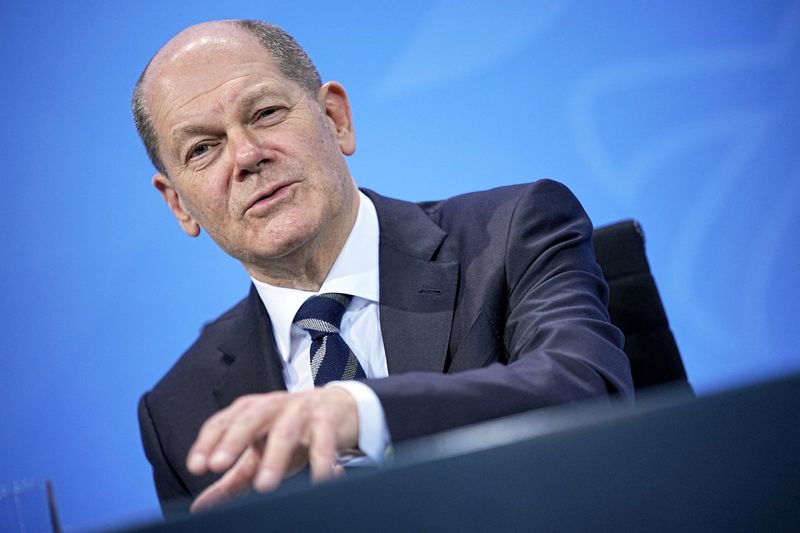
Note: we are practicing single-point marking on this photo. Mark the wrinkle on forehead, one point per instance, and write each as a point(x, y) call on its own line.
point(201, 94)
point(244, 97)
point(173, 105)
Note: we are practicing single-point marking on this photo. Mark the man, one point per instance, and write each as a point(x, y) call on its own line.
point(451, 312)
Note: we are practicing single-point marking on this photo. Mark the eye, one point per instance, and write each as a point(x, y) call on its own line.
point(197, 151)
point(269, 114)
point(266, 112)
point(200, 149)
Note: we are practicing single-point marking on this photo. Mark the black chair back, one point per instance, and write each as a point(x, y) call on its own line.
point(635, 306)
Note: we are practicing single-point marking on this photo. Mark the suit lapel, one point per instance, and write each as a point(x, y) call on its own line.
point(249, 353)
point(417, 297)
point(417, 293)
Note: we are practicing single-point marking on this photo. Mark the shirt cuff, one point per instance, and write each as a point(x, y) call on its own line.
point(373, 433)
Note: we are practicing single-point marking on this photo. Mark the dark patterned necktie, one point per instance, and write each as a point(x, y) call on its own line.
point(331, 357)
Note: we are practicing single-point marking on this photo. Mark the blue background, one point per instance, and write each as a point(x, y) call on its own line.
point(682, 114)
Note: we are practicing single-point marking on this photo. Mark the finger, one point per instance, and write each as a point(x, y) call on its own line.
point(209, 434)
point(338, 470)
point(248, 426)
point(233, 483)
point(322, 449)
point(282, 442)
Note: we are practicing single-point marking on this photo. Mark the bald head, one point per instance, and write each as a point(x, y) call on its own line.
point(289, 57)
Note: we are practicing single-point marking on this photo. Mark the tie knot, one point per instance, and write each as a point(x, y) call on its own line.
point(322, 314)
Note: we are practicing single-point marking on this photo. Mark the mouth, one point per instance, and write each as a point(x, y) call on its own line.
point(270, 195)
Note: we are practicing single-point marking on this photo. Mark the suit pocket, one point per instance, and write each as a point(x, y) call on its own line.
point(481, 346)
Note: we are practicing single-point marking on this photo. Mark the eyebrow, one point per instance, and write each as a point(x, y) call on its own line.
point(186, 131)
point(258, 93)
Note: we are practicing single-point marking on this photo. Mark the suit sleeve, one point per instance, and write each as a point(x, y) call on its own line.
point(172, 493)
point(555, 329)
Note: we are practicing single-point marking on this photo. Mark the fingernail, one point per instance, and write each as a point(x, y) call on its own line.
point(264, 481)
point(197, 462)
point(220, 458)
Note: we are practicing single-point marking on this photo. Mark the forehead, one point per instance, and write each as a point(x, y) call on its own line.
point(207, 72)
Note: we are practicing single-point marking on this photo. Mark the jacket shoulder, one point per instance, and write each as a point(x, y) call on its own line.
point(545, 194)
point(495, 212)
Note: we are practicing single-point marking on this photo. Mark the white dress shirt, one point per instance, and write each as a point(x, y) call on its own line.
point(355, 272)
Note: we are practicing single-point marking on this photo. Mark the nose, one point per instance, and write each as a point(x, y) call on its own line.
point(248, 153)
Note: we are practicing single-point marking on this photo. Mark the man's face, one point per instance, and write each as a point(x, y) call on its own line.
point(250, 156)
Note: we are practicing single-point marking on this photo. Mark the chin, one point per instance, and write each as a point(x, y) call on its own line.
point(286, 246)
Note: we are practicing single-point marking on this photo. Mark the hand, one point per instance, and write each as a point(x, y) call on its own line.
point(261, 438)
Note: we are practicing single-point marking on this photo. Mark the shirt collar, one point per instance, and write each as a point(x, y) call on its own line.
point(354, 272)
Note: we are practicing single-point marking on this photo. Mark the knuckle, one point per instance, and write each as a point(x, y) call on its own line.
point(284, 432)
point(321, 415)
point(247, 418)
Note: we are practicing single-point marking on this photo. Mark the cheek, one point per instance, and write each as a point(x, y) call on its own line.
point(209, 196)
point(209, 214)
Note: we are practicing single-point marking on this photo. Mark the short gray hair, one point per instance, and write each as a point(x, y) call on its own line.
point(290, 57)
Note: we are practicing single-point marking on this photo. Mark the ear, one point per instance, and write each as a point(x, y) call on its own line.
point(170, 195)
point(333, 99)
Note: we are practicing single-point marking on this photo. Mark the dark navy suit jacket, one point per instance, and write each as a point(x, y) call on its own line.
point(491, 303)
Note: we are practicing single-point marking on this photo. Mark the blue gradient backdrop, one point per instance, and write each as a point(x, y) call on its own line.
point(681, 114)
